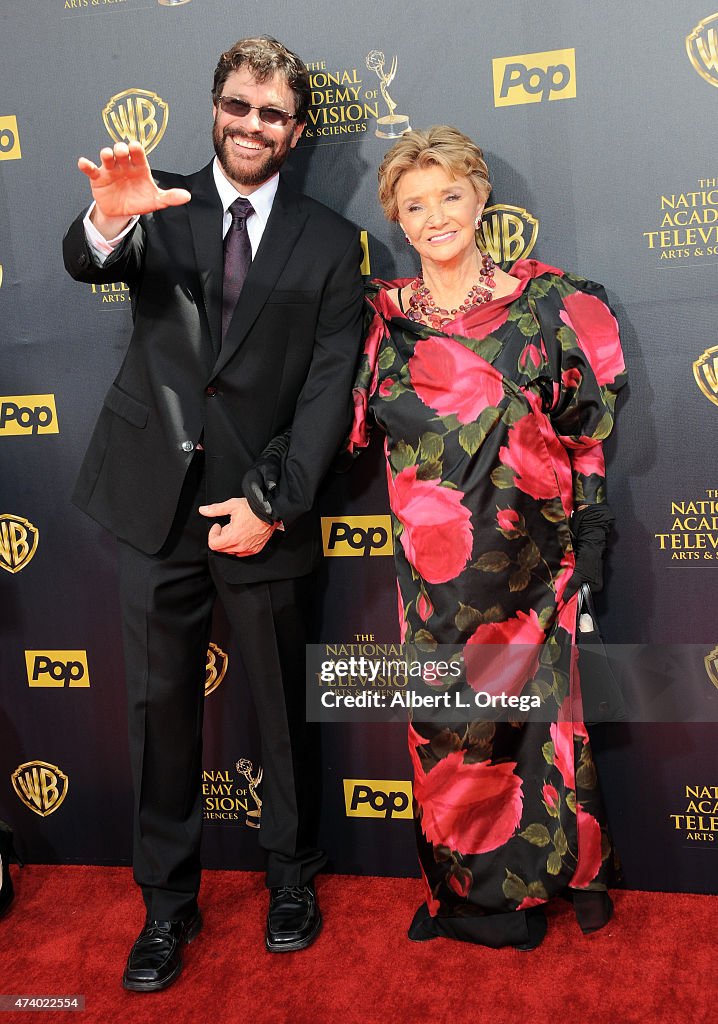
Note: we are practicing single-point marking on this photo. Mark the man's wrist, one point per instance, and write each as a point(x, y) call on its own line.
point(109, 227)
point(101, 246)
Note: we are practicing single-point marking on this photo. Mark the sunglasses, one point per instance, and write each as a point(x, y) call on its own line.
point(268, 115)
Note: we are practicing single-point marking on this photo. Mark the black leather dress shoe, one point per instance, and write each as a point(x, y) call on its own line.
point(155, 960)
point(293, 921)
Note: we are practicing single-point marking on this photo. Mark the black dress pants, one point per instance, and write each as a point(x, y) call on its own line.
point(167, 602)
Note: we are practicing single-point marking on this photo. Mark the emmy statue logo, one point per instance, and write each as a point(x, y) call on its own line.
point(172, 3)
point(393, 125)
point(705, 371)
point(245, 767)
point(711, 663)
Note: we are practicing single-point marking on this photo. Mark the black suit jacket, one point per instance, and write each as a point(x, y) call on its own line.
point(287, 361)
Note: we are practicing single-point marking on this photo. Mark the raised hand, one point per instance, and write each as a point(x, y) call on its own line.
point(123, 187)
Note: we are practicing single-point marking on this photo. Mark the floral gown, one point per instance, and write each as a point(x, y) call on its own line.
point(493, 433)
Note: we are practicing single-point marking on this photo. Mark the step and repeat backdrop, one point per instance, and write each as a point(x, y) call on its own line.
point(596, 123)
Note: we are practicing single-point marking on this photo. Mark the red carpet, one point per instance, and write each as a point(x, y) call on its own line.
point(70, 929)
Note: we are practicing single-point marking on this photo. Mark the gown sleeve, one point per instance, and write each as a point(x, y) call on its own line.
point(583, 349)
point(375, 330)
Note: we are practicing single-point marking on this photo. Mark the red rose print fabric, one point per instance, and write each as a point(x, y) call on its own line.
point(596, 331)
point(471, 808)
point(449, 378)
point(437, 534)
point(493, 433)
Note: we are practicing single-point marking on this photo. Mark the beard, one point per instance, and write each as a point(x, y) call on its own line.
point(232, 164)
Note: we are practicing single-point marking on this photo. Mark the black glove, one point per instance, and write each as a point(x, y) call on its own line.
point(261, 479)
point(590, 527)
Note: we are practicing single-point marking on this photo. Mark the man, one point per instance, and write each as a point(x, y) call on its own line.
point(227, 351)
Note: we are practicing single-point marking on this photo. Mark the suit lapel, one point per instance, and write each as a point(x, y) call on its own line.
point(205, 216)
point(278, 240)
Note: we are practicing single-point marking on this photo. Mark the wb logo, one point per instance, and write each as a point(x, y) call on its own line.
point(215, 668)
point(18, 542)
point(9, 139)
point(702, 47)
point(377, 798)
point(357, 535)
point(705, 371)
point(711, 663)
point(509, 232)
point(41, 786)
point(57, 668)
point(534, 77)
point(136, 115)
point(365, 268)
point(28, 414)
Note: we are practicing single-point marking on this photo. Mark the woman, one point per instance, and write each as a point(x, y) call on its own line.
point(495, 387)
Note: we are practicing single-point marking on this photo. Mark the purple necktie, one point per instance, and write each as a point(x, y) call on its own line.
point(237, 257)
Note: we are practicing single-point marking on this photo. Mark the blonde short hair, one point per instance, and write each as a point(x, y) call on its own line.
point(442, 146)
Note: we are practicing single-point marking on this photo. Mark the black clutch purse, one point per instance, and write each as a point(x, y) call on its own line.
point(601, 693)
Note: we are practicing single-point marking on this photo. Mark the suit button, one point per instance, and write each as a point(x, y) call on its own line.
point(82, 259)
point(187, 446)
point(210, 392)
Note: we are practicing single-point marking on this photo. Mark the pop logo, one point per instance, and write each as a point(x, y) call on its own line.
point(534, 77)
point(377, 798)
point(9, 139)
point(357, 535)
point(57, 668)
point(28, 414)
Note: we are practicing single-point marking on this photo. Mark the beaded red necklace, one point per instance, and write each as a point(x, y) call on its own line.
point(422, 305)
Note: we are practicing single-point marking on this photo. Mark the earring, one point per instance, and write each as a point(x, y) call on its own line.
point(477, 223)
point(407, 239)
